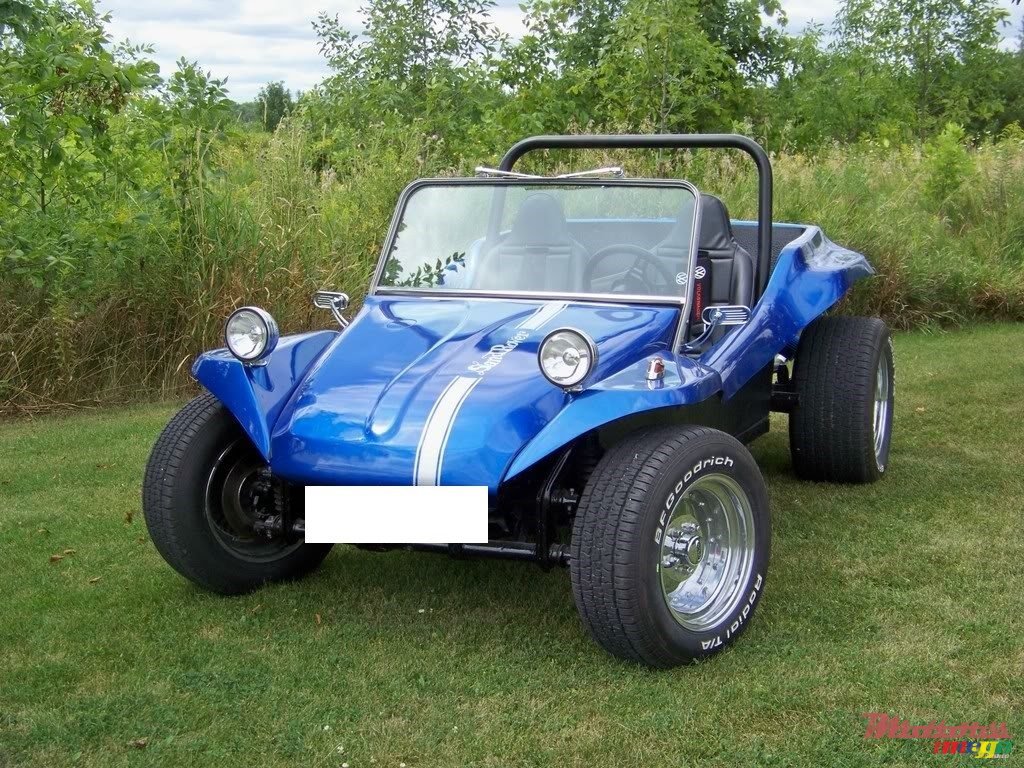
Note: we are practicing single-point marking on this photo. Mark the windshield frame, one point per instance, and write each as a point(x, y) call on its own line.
point(682, 302)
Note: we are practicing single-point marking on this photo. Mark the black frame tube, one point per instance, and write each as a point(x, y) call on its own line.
point(676, 141)
point(556, 554)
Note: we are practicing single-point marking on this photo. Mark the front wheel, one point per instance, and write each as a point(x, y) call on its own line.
point(205, 492)
point(670, 545)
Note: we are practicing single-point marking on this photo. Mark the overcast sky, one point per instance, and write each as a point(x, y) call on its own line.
point(252, 42)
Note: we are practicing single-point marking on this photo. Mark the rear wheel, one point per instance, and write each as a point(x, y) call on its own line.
point(843, 376)
point(205, 493)
point(670, 545)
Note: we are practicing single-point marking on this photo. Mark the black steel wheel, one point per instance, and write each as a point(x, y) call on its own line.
point(205, 495)
point(670, 545)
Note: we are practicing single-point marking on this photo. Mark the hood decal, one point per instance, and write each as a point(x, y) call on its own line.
point(438, 426)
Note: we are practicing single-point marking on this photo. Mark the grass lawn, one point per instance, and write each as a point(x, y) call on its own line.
point(903, 597)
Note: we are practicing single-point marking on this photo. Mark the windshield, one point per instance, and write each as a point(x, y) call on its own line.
point(602, 238)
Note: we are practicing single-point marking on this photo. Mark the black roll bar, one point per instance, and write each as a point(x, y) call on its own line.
point(676, 141)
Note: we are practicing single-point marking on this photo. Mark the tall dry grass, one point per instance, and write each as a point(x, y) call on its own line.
point(943, 225)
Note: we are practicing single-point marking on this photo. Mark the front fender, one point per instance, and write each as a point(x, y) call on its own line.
point(256, 394)
point(627, 393)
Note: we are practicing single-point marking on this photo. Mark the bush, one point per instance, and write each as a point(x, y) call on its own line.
point(133, 298)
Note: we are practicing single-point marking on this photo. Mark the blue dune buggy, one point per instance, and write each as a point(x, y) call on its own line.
point(594, 350)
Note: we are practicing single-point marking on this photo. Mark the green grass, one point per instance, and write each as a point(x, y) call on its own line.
point(901, 597)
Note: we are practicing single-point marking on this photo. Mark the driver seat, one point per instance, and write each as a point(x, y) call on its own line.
point(729, 268)
point(538, 254)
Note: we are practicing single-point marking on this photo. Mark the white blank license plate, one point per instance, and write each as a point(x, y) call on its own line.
point(417, 514)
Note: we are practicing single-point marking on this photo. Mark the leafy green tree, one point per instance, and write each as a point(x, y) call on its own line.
point(898, 71)
point(640, 64)
point(63, 89)
point(661, 70)
point(275, 103)
point(1011, 85)
point(60, 84)
point(552, 70)
point(193, 115)
point(424, 61)
point(738, 26)
point(943, 53)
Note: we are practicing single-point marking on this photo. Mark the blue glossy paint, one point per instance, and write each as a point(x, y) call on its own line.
point(352, 407)
point(625, 393)
point(811, 274)
point(358, 417)
point(255, 394)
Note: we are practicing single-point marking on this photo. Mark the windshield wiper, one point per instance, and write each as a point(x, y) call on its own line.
point(612, 170)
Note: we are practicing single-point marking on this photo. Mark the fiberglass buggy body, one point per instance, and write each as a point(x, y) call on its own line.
point(594, 350)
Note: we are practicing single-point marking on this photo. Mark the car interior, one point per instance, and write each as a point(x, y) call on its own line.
point(542, 245)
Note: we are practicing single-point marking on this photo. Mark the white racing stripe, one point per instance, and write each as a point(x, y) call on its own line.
point(430, 451)
point(541, 316)
point(438, 427)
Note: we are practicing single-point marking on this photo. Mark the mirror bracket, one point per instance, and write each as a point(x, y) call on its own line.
point(713, 318)
point(335, 301)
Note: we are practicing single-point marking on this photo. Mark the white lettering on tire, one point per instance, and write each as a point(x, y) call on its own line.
point(748, 606)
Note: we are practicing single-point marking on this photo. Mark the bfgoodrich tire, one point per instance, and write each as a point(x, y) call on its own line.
point(201, 483)
point(670, 545)
point(843, 375)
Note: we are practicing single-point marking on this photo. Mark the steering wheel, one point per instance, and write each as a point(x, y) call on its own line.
point(635, 275)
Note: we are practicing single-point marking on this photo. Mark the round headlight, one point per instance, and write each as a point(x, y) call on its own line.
point(251, 334)
point(567, 357)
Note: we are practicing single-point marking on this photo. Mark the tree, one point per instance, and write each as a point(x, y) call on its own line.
point(60, 84)
point(661, 69)
point(275, 103)
point(1010, 68)
point(422, 61)
point(943, 53)
point(738, 27)
point(897, 70)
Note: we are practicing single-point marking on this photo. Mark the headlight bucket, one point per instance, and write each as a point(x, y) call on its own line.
point(250, 334)
point(566, 357)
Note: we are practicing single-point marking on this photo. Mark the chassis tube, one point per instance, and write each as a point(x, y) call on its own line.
point(558, 554)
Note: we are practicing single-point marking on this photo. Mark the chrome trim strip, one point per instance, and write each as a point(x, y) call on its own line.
point(683, 324)
point(470, 293)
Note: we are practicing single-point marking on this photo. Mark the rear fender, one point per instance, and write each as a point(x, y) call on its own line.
point(256, 394)
point(811, 275)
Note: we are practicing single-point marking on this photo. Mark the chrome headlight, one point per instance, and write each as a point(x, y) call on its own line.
point(251, 334)
point(567, 357)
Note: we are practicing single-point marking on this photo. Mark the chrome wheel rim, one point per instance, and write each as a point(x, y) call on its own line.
point(883, 385)
point(707, 552)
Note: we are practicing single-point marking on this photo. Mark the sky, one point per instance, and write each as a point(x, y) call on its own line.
point(253, 42)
